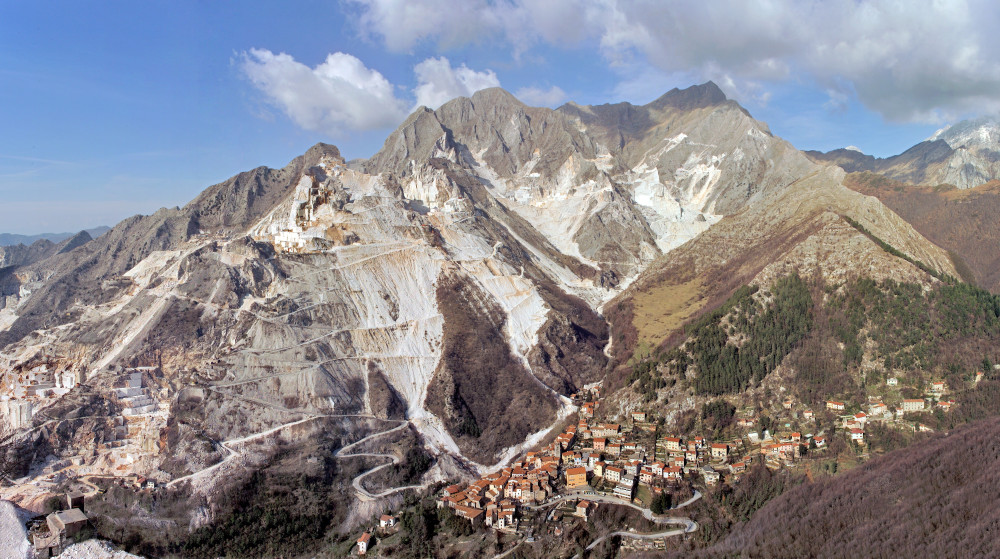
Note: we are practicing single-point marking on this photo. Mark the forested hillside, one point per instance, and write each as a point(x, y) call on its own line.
point(934, 499)
point(842, 340)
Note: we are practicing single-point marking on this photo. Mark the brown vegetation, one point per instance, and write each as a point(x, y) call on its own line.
point(487, 398)
point(934, 499)
point(965, 222)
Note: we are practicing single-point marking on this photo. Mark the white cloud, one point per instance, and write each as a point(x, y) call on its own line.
point(541, 97)
point(438, 82)
point(339, 94)
point(923, 60)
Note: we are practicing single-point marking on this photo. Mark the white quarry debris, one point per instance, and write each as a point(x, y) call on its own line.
point(14, 542)
point(389, 285)
point(95, 549)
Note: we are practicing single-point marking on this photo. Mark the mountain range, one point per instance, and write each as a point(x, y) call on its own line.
point(11, 239)
point(491, 260)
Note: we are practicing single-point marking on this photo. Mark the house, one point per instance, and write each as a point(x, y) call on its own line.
point(979, 376)
point(891, 381)
point(787, 404)
point(75, 500)
point(925, 428)
point(946, 404)
point(600, 443)
point(820, 441)
point(599, 468)
point(587, 410)
point(646, 475)
point(576, 477)
point(639, 416)
point(861, 417)
point(808, 414)
point(913, 405)
point(796, 437)
point(673, 474)
point(835, 405)
point(613, 474)
point(938, 387)
point(625, 488)
point(738, 467)
point(614, 449)
point(473, 515)
point(68, 522)
point(858, 435)
point(363, 542)
point(711, 476)
point(673, 444)
point(582, 508)
point(720, 451)
point(691, 456)
point(506, 521)
point(606, 430)
point(386, 521)
point(878, 409)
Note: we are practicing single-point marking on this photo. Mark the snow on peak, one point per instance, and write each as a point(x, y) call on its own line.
point(980, 132)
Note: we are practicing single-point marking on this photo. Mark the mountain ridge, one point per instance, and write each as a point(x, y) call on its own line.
point(965, 155)
point(480, 268)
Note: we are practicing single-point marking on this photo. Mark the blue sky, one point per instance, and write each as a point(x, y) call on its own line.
point(115, 108)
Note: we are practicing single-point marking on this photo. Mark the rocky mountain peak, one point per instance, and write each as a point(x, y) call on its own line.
point(979, 133)
point(707, 94)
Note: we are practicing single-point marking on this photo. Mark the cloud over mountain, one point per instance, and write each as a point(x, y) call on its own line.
point(914, 61)
point(438, 82)
point(343, 94)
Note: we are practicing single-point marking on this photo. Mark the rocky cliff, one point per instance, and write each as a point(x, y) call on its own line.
point(455, 281)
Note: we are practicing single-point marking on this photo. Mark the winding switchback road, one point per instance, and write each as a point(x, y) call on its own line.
point(393, 460)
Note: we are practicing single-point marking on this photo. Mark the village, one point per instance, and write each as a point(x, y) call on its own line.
point(631, 463)
point(601, 459)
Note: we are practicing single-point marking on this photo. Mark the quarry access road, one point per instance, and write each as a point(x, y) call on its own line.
point(607, 499)
point(234, 453)
point(356, 482)
point(689, 526)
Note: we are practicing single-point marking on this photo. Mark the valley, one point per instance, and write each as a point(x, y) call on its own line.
point(517, 331)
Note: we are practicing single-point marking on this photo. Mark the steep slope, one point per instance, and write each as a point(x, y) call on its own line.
point(964, 222)
point(280, 293)
point(909, 502)
point(13, 260)
point(803, 228)
point(610, 187)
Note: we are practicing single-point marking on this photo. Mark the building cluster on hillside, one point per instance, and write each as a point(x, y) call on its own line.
point(585, 456)
point(28, 388)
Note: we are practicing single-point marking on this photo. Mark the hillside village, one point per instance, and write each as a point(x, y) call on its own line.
point(631, 461)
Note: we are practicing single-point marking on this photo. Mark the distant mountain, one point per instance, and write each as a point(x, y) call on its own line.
point(11, 239)
point(965, 155)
